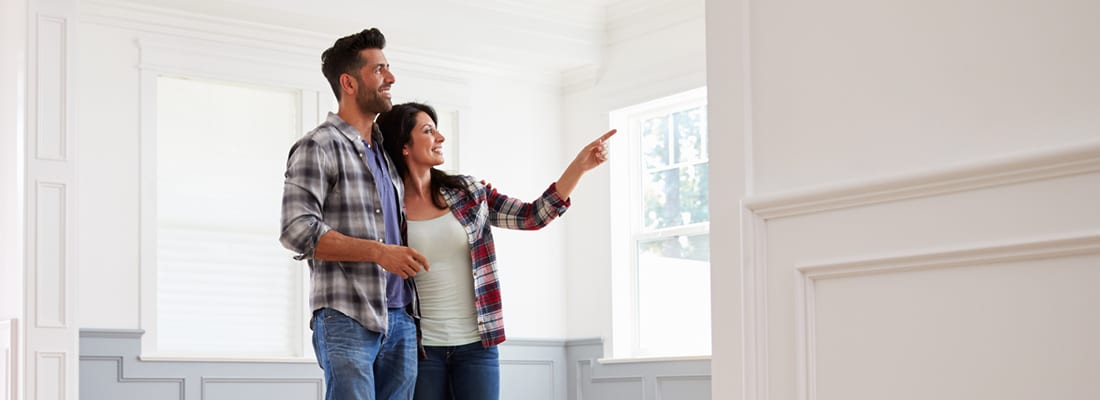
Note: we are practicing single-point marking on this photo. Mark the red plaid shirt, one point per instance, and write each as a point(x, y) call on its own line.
point(476, 211)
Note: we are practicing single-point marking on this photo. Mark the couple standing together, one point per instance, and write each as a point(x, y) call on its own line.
point(363, 203)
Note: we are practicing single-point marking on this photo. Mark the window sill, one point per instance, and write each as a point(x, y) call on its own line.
point(641, 360)
point(225, 359)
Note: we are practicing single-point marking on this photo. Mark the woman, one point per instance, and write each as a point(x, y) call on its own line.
point(449, 218)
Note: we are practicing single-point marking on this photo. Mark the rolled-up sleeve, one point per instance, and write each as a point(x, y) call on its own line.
point(511, 213)
point(308, 169)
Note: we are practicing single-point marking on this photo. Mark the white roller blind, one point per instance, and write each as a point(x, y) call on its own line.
point(225, 286)
point(226, 294)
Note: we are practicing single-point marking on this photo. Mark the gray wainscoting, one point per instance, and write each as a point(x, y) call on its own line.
point(530, 370)
point(673, 379)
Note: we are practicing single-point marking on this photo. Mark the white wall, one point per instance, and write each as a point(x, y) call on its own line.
point(506, 123)
point(13, 47)
point(923, 181)
point(856, 89)
point(653, 50)
point(12, 97)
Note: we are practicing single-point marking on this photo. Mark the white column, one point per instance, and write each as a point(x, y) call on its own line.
point(732, 369)
point(13, 46)
point(51, 337)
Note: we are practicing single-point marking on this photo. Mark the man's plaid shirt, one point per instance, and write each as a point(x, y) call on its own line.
point(329, 186)
point(476, 209)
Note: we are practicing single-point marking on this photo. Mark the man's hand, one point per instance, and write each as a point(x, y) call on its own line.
point(401, 260)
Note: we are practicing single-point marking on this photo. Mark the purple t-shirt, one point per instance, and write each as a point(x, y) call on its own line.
point(397, 294)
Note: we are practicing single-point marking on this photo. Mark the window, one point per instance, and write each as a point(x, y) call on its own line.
point(225, 287)
point(660, 229)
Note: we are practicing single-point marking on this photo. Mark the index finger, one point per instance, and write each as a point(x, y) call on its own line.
point(607, 135)
point(423, 261)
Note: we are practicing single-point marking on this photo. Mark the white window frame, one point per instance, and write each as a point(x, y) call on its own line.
point(218, 62)
point(626, 227)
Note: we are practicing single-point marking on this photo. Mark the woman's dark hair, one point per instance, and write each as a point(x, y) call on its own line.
point(397, 126)
point(343, 56)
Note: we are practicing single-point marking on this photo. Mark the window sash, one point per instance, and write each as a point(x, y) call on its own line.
point(630, 232)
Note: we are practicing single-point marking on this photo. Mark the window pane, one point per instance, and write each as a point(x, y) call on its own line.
point(675, 197)
point(674, 296)
point(689, 139)
point(655, 142)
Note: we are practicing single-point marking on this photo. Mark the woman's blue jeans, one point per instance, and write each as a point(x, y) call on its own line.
point(363, 365)
point(466, 372)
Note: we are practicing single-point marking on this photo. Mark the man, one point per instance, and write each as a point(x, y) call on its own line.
point(342, 212)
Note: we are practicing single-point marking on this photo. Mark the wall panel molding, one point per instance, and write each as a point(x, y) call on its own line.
point(49, 337)
point(50, 264)
point(51, 86)
point(538, 369)
point(123, 378)
point(754, 285)
point(1043, 164)
point(9, 359)
point(591, 375)
point(806, 276)
point(50, 374)
point(317, 385)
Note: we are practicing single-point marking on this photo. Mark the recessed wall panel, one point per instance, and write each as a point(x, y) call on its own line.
point(532, 380)
point(49, 255)
point(683, 387)
point(273, 389)
point(1015, 330)
point(50, 90)
point(49, 379)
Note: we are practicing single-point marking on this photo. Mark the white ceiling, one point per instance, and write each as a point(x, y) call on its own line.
point(551, 35)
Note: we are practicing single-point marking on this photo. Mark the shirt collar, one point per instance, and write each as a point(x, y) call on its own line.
point(351, 132)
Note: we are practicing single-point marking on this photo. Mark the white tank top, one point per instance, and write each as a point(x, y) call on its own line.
point(448, 316)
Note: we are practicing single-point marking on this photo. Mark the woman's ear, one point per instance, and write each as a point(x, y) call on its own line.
point(405, 150)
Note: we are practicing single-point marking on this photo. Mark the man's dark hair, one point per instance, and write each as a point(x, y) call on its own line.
point(397, 126)
point(343, 56)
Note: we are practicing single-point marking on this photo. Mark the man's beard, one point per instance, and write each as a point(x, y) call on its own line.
point(372, 102)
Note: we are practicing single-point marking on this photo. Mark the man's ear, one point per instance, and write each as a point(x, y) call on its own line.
point(348, 84)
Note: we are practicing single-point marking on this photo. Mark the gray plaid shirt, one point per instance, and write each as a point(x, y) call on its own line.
point(329, 186)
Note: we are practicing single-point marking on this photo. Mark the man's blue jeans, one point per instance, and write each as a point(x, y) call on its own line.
point(466, 372)
point(363, 365)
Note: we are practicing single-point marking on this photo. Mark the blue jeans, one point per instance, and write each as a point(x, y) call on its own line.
point(466, 372)
point(363, 365)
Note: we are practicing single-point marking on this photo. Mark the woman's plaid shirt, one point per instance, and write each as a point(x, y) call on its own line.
point(476, 209)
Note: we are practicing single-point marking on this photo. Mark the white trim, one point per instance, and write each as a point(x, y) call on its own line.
point(9, 356)
point(179, 358)
point(1012, 169)
point(754, 291)
point(643, 360)
point(806, 276)
point(192, 58)
point(486, 59)
point(626, 231)
point(147, 211)
point(627, 20)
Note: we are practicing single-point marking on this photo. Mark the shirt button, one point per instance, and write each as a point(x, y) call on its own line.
point(377, 210)
point(381, 240)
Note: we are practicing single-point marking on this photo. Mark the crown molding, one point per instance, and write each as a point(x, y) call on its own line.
point(630, 19)
point(1011, 169)
point(303, 47)
point(502, 35)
